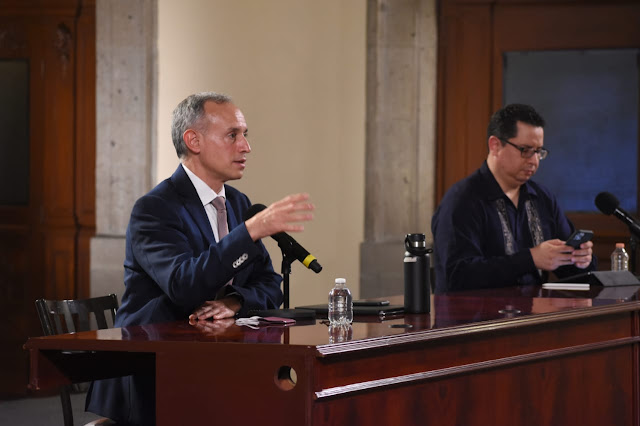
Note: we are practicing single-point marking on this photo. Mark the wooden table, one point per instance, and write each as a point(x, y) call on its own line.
point(517, 356)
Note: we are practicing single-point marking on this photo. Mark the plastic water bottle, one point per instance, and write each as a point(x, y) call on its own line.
point(340, 333)
point(619, 258)
point(340, 304)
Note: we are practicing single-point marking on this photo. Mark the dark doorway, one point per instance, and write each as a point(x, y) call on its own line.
point(47, 149)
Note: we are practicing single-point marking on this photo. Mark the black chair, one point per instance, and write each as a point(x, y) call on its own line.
point(70, 316)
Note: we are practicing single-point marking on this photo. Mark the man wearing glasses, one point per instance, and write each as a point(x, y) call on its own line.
point(499, 228)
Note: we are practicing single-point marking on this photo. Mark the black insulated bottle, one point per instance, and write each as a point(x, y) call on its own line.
point(417, 283)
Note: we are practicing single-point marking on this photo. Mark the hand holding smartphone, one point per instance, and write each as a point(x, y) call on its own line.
point(578, 237)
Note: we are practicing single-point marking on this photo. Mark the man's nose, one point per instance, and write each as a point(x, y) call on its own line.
point(244, 145)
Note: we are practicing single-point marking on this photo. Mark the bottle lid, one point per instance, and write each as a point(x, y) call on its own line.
point(416, 244)
point(619, 245)
point(415, 240)
point(340, 281)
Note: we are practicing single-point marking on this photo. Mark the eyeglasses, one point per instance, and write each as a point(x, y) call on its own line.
point(527, 152)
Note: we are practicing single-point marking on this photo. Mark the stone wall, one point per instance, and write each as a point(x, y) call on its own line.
point(125, 104)
point(401, 114)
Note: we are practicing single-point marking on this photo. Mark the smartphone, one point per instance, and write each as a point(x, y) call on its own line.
point(370, 303)
point(578, 237)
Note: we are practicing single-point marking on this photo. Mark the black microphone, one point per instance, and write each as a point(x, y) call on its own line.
point(287, 243)
point(608, 204)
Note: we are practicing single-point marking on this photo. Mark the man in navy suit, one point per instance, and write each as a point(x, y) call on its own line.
point(177, 266)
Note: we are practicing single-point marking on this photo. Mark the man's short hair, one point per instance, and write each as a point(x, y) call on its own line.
point(503, 122)
point(187, 115)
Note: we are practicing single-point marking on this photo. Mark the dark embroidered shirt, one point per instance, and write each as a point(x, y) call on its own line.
point(469, 248)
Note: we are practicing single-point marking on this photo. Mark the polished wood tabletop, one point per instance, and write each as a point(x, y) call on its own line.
point(520, 355)
point(471, 310)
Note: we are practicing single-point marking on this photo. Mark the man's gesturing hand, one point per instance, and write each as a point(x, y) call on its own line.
point(281, 216)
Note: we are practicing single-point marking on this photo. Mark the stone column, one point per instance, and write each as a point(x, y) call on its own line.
point(125, 108)
point(400, 132)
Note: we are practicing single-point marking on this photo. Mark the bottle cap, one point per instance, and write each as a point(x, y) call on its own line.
point(415, 240)
point(340, 281)
point(619, 245)
point(416, 244)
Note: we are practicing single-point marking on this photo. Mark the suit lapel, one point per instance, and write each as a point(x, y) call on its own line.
point(192, 202)
point(232, 218)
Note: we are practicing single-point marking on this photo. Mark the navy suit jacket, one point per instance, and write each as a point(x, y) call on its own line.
point(172, 266)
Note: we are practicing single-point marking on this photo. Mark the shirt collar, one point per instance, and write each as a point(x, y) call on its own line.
point(204, 191)
point(493, 190)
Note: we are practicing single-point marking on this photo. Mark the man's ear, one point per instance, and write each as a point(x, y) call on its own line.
point(494, 144)
point(192, 140)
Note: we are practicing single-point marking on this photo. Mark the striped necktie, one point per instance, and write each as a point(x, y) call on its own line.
point(223, 228)
point(221, 209)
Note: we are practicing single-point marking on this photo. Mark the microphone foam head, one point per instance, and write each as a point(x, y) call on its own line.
point(315, 266)
point(253, 210)
point(606, 202)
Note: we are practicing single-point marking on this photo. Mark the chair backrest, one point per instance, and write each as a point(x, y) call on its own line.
point(76, 314)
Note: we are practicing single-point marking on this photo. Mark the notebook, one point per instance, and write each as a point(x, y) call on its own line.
point(323, 310)
point(605, 278)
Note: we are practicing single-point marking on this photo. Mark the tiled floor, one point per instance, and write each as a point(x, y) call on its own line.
point(42, 411)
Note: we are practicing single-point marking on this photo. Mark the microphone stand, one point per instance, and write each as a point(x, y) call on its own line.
point(287, 260)
point(288, 257)
point(633, 247)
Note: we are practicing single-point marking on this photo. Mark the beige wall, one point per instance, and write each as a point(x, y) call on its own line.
point(297, 70)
